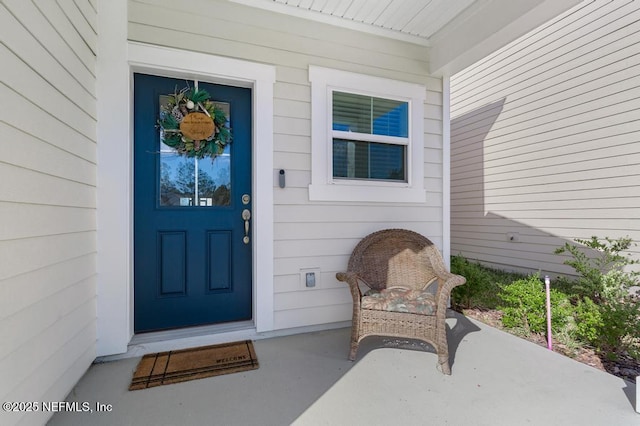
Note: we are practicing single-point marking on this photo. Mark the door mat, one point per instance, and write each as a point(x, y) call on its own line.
point(164, 368)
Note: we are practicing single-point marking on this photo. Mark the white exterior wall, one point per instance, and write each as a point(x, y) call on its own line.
point(307, 234)
point(47, 200)
point(545, 140)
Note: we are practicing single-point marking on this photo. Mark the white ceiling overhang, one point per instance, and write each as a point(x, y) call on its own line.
point(458, 32)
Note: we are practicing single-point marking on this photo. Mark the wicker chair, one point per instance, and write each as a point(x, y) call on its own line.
point(408, 294)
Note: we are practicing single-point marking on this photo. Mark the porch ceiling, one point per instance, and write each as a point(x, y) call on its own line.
point(459, 32)
point(413, 20)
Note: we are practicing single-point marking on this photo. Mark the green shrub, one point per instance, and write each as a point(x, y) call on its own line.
point(565, 285)
point(607, 313)
point(620, 326)
point(596, 308)
point(525, 306)
point(600, 267)
point(588, 321)
point(482, 286)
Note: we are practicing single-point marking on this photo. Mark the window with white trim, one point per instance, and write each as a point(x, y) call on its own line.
point(370, 136)
point(367, 138)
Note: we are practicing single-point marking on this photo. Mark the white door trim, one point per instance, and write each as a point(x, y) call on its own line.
point(115, 298)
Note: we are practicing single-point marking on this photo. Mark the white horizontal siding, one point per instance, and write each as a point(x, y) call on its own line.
point(546, 140)
point(45, 156)
point(83, 52)
point(24, 114)
point(47, 200)
point(36, 187)
point(307, 235)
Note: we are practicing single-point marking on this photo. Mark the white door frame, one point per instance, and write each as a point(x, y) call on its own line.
point(115, 199)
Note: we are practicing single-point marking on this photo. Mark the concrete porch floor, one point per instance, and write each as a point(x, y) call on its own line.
point(306, 379)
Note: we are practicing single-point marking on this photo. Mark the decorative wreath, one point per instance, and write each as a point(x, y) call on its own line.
point(193, 125)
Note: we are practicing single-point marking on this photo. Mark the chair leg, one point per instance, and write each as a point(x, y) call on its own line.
point(354, 350)
point(443, 364)
point(355, 342)
point(443, 350)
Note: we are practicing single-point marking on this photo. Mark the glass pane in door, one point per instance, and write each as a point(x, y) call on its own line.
point(214, 180)
point(177, 179)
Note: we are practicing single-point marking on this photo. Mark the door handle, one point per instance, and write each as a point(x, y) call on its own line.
point(246, 215)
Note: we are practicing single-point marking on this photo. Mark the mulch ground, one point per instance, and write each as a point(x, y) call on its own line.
point(624, 366)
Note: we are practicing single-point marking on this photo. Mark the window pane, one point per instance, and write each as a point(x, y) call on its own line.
point(351, 113)
point(390, 118)
point(366, 114)
point(177, 180)
point(368, 160)
point(214, 180)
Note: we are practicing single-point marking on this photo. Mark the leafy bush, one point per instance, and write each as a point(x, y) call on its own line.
point(597, 308)
point(620, 326)
point(588, 321)
point(601, 267)
point(482, 286)
point(525, 306)
point(607, 312)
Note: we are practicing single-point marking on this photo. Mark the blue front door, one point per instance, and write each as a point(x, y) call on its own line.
point(192, 239)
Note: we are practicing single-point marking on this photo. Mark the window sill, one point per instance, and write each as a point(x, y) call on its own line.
point(361, 193)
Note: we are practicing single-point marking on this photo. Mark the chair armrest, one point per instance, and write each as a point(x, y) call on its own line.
point(449, 281)
point(351, 278)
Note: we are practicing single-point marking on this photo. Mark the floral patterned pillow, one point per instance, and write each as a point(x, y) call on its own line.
point(398, 299)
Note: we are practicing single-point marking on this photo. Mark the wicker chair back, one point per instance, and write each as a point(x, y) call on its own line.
point(394, 258)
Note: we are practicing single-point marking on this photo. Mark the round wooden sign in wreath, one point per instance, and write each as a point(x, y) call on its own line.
point(197, 126)
point(193, 125)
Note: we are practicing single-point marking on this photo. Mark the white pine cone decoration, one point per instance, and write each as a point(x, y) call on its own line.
point(177, 114)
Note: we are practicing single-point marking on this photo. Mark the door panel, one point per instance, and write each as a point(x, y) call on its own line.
point(191, 265)
point(173, 263)
point(219, 258)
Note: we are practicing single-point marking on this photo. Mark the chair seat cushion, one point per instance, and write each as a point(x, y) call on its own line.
point(398, 299)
